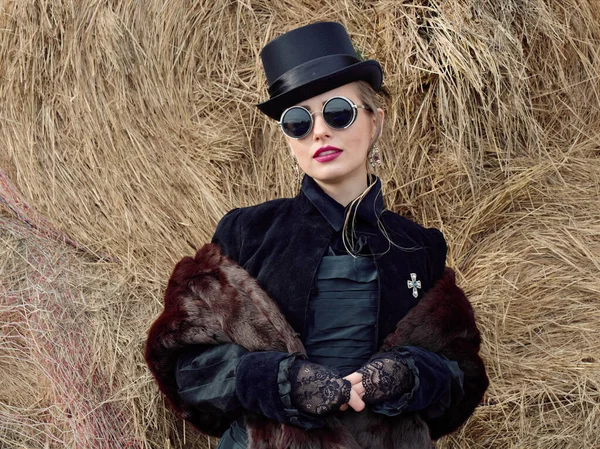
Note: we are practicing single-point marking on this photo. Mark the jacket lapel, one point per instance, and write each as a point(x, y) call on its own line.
point(286, 262)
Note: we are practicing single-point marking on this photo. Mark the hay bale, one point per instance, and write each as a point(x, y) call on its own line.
point(72, 371)
point(130, 127)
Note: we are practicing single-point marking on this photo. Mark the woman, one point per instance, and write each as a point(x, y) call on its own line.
point(324, 320)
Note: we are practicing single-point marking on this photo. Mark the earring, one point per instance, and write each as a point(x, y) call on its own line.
point(296, 170)
point(374, 158)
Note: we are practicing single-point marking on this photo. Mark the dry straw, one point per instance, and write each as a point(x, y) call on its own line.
point(131, 127)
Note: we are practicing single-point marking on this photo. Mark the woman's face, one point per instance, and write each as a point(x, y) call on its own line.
point(345, 155)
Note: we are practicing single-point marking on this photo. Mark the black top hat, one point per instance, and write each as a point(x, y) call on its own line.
point(311, 60)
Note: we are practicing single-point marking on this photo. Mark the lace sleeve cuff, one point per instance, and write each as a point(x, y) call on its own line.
point(295, 417)
point(438, 384)
point(393, 407)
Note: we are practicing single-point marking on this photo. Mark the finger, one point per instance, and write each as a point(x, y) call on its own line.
point(354, 378)
point(356, 402)
point(359, 388)
point(344, 407)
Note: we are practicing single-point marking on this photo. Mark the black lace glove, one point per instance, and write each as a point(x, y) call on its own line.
point(386, 377)
point(317, 389)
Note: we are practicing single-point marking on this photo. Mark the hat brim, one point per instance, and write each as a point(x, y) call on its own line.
point(369, 71)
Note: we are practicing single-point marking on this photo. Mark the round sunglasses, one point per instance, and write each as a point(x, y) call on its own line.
point(338, 112)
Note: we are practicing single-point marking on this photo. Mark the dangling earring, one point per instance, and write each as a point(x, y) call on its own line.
point(296, 171)
point(374, 158)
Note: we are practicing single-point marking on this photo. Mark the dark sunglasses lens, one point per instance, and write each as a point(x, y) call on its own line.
point(296, 122)
point(338, 113)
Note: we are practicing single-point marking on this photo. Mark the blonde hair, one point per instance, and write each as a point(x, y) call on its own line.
point(369, 98)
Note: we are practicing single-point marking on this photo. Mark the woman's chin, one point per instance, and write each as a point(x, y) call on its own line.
point(336, 175)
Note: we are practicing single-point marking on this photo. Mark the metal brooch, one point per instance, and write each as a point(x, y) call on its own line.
point(414, 284)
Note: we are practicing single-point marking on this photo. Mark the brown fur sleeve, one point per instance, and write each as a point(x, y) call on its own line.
point(444, 322)
point(211, 300)
point(442, 316)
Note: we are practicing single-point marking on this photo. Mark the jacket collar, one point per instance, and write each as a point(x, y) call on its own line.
point(370, 208)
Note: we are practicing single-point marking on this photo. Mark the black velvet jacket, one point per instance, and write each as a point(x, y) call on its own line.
point(281, 243)
point(211, 300)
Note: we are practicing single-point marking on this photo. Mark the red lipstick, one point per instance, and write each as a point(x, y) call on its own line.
point(327, 153)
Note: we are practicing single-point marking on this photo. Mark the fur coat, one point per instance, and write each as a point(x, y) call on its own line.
point(211, 300)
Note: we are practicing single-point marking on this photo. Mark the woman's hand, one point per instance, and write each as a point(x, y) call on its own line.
point(356, 394)
point(385, 377)
point(318, 390)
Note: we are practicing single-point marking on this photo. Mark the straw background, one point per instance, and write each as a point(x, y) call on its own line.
point(127, 129)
